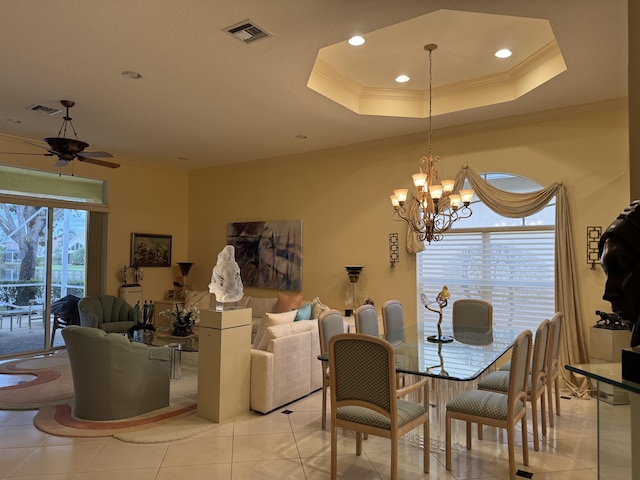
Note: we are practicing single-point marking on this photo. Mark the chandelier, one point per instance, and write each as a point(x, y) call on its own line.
point(435, 207)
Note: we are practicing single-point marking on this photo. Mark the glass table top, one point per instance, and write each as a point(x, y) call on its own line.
point(470, 353)
point(610, 373)
point(159, 338)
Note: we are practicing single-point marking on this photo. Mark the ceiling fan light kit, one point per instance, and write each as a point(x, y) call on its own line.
point(68, 149)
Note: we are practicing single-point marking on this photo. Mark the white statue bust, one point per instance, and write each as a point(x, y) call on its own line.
point(226, 283)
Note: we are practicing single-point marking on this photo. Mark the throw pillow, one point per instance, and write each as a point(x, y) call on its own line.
point(269, 320)
point(317, 307)
point(286, 303)
point(304, 312)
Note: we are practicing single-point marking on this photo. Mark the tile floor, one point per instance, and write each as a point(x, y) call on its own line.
point(293, 446)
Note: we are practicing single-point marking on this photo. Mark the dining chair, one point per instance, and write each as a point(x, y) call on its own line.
point(471, 312)
point(497, 409)
point(392, 316)
point(367, 320)
point(536, 385)
point(330, 323)
point(553, 373)
point(364, 397)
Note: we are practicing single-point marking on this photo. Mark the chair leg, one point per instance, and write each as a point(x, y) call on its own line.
point(557, 382)
point(426, 447)
point(394, 456)
point(511, 450)
point(534, 425)
point(324, 407)
point(480, 431)
point(469, 434)
point(525, 441)
point(334, 452)
point(448, 442)
point(358, 443)
point(550, 402)
point(543, 414)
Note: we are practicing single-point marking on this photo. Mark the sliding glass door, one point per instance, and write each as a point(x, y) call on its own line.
point(42, 259)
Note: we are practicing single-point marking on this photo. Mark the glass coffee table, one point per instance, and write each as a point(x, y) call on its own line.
point(162, 338)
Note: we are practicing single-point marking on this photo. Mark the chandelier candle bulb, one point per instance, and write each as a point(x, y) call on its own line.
point(466, 196)
point(455, 201)
point(419, 179)
point(447, 185)
point(435, 191)
point(401, 195)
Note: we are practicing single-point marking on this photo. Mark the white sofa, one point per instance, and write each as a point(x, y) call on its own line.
point(286, 367)
point(289, 368)
point(258, 305)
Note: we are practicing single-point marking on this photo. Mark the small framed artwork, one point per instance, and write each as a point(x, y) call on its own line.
point(150, 250)
point(171, 294)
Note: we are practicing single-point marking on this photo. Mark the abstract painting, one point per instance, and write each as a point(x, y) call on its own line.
point(269, 253)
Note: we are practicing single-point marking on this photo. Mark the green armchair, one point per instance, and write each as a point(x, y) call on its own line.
point(109, 313)
point(114, 378)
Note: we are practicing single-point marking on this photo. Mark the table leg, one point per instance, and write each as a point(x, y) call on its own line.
point(176, 361)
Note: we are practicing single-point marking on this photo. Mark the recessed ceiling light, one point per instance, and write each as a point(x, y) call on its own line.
point(130, 74)
point(402, 78)
point(356, 41)
point(301, 137)
point(503, 53)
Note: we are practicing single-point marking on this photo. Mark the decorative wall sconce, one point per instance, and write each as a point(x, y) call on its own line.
point(394, 250)
point(593, 238)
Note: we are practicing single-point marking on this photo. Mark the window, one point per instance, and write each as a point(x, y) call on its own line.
point(53, 237)
point(508, 262)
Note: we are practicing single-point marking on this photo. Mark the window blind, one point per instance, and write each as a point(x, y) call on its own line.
point(512, 269)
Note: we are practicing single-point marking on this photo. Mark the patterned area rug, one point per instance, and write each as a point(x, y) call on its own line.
point(44, 381)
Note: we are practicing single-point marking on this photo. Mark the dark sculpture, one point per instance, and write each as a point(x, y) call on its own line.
point(610, 321)
point(619, 250)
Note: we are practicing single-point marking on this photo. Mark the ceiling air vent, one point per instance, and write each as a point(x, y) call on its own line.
point(248, 32)
point(44, 109)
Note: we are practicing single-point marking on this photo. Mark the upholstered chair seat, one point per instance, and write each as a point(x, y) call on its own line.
point(482, 403)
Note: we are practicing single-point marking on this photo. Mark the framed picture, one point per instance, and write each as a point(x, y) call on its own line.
point(269, 253)
point(150, 250)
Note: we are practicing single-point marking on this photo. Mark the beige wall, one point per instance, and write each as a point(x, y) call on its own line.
point(141, 199)
point(342, 196)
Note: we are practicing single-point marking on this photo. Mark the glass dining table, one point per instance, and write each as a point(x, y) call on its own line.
point(453, 367)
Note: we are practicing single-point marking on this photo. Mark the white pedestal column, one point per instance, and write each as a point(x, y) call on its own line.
point(224, 364)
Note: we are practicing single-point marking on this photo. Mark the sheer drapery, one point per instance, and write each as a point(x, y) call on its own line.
point(518, 205)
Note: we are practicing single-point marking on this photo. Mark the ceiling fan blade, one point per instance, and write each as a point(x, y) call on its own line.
point(95, 161)
point(97, 155)
point(37, 145)
point(61, 163)
point(23, 153)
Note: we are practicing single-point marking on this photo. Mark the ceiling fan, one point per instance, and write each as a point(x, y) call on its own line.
point(68, 149)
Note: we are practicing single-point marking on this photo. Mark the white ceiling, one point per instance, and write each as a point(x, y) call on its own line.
point(209, 97)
